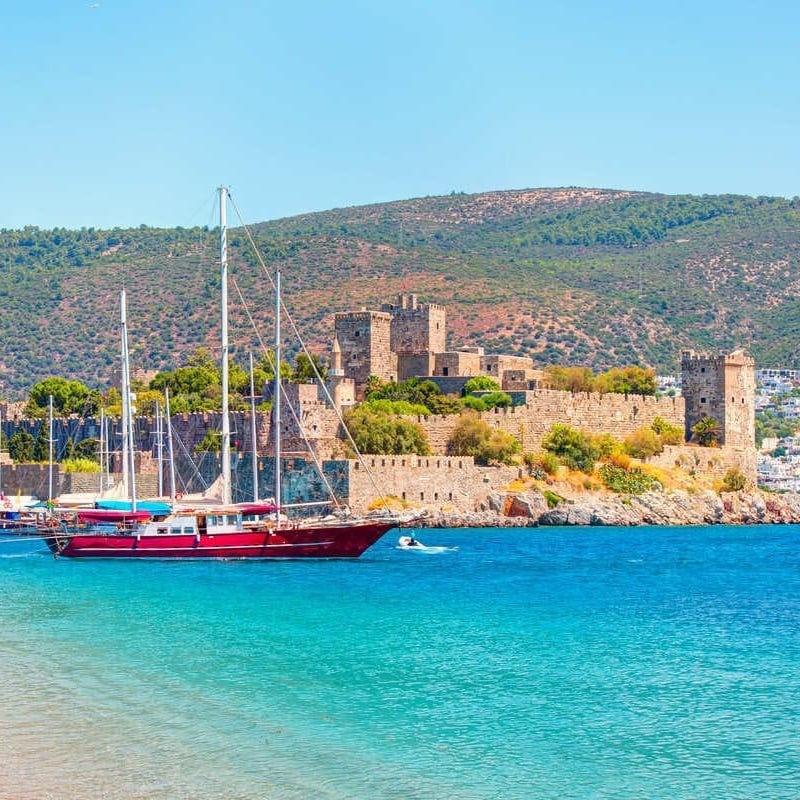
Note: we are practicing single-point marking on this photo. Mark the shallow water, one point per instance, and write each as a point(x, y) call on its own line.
point(528, 663)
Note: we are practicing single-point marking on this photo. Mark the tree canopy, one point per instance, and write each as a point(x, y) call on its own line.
point(378, 432)
point(473, 436)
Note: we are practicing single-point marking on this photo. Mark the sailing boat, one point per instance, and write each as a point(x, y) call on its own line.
point(254, 530)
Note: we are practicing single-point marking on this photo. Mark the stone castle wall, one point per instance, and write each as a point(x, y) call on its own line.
point(712, 462)
point(34, 479)
point(619, 415)
point(441, 483)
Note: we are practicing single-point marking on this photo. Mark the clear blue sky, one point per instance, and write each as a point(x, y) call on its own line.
point(126, 112)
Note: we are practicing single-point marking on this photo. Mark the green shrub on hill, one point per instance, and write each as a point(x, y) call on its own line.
point(574, 448)
point(734, 480)
point(643, 443)
point(627, 481)
point(473, 436)
point(383, 433)
point(670, 434)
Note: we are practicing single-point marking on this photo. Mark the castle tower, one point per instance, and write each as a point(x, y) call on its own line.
point(722, 387)
point(416, 327)
point(364, 339)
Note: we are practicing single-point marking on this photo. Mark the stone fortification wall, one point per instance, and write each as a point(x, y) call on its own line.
point(619, 415)
point(709, 462)
point(34, 479)
point(437, 483)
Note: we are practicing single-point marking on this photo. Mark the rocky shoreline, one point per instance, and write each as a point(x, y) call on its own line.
point(677, 507)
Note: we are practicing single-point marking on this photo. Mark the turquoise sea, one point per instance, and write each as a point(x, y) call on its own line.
point(657, 663)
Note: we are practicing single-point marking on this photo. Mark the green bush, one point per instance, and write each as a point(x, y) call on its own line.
point(627, 481)
point(540, 465)
point(398, 407)
point(643, 443)
point(572, 447)
point(480, 383)
point(474, 403)
point(381, 433)
point(551, 498)
point(496, 400)
point(707, 432)
point(734, 480)
point(474, 437)
point(670, 434)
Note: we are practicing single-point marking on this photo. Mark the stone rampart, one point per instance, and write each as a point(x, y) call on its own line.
point(437, 483)
point(619, 415)
point(709, 462)
point(34, 479)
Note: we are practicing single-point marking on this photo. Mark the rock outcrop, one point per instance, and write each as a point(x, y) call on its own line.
point(677, 507)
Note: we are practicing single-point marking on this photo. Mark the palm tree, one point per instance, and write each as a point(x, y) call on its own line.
point(707, 432)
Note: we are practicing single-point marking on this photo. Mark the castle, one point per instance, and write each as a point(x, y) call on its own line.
point(408, 339)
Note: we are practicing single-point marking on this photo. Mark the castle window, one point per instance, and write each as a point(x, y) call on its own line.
point(436, 495)
point(702, 369)
point(422, 495)
point(445, 370)
point(450, 496)
point(404, 495)
point(702, 399)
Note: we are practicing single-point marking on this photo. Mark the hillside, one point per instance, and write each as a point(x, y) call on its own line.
point(570, 276)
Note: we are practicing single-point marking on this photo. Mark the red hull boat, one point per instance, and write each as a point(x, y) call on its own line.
point(219, 535)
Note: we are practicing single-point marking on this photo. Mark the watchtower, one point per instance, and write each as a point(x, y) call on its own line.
point(416, 327)
point(722, 387)
point(364, 339)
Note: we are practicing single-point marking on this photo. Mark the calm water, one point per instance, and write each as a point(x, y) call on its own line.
point(545, 663)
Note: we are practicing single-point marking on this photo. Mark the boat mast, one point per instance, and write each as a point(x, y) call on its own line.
point(226, 423)
point(169, 448)
point(123, 385)
point(160, 448)
point(100, 454)
point(276, 403)
point(50, 452)
point(253, 431)
point(108, 453)
point(128, 458)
